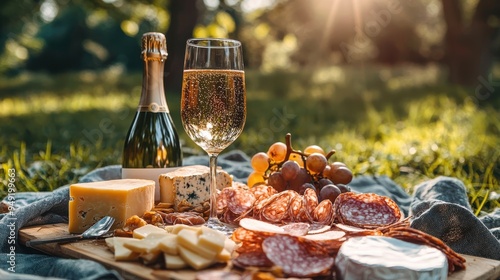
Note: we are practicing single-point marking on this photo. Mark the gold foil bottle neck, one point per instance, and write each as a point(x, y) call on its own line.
point(154, 46)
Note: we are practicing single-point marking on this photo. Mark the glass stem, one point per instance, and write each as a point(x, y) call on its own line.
point(213, 187)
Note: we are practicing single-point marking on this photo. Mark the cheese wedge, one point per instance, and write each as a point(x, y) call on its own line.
point(190, 184)
point(120, 199)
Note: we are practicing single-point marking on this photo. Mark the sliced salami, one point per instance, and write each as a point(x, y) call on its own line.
point(296, 209)
point(240, 200)
point(252, 259)
point(262, 191)
point(241, 235)
point(323, 213)
point(277, 208)
point(366, 210)
point(222, 198)
point(295, 258)
point(310, 202)
point(296, 229)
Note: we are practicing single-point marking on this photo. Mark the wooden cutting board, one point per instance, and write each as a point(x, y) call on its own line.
point(477, 268)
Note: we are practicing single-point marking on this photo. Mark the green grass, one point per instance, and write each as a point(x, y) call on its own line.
point(400, 122)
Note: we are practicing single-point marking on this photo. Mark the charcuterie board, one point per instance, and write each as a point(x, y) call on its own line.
point(477, 268)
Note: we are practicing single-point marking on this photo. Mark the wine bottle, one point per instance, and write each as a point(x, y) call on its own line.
point(152, 144)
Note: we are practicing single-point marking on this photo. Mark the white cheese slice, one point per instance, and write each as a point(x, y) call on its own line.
point(195, 260)
point(211, 239)
point(169, 244)
point(190, 184)
point(189, 239)
point(121, 252)
point(144, 231)
point(379, 257)
point(174, 262)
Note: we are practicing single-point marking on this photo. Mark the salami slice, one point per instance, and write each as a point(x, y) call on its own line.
point(240, 200)
point(294, 257)
point(366, 210)
point(252, 259)
point(296, 209)
point(310, 202)
point(296, 229)
point(222, 198)
point(277, 208)
point(262, 191)
point(323, 213)
point(246, 247)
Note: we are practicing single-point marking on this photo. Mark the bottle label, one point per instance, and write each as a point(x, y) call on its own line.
point(148, 174)
point(153, 107)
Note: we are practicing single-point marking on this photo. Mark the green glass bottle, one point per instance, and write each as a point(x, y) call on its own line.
point(152, 144)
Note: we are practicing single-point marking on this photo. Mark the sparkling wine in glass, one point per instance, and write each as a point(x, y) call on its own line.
point(213, 102)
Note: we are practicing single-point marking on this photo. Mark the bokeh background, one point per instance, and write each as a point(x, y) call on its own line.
point(406, 89)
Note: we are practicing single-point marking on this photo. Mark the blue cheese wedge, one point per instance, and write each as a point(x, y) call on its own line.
point(379, 257)
point(190, 185)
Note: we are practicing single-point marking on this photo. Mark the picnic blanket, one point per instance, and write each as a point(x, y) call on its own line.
point(438, 206)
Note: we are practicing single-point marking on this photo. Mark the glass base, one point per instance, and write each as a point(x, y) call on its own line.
point(216, 224)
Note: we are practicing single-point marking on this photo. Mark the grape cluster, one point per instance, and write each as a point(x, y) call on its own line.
point(285, 168)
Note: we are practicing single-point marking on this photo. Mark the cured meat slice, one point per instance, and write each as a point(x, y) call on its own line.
point(318, 228)
point(241, 235)
point(310, 202)
point(262, 191)
point(366, 210)
point(186, 218)
point(260, 226)
point(239, 200)
point(230, 217)
point(277, 208)
point(296, 210)
point(222, 198)
point(249, 259)
point(296, 229)
point(327, 235)
point(323, 213)
point(295, 257)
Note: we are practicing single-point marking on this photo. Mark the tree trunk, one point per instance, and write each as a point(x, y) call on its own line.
point(183, 19)
point(469, 46)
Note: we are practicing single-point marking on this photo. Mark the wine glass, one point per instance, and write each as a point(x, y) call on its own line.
point(213, 102)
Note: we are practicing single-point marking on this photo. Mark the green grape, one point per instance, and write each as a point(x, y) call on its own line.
point(255, 178)
point(314, 149)
point(297, 158)
point(260, 162)
point(277, 151)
